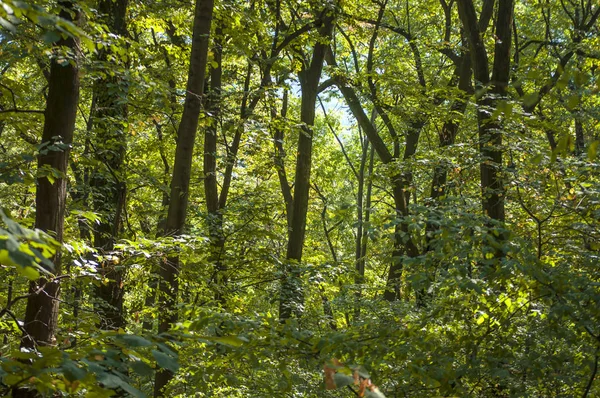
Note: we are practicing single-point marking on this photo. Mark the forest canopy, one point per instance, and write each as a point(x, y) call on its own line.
point(299, 198)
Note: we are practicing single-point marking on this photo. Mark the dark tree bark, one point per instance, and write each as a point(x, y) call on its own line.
point(61, 107)
point(291, 299)
point(490, 130)
point(178, 199)
point(108, 119)
point(579, 135)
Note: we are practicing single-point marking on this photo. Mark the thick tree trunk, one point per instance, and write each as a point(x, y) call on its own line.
point(108, 120)
point(291, 299)
point(169, 272)
point(61, 108)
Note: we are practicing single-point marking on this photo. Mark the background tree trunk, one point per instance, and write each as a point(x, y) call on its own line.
point(109, 121)
point(490, 131)
point(291, 299)
point(180, 182)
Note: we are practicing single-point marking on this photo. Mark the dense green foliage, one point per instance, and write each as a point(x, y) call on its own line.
point(474, 304)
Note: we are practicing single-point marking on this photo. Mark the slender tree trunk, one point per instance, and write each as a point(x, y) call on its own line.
point(364, 216)
point(449, 130)
point(359, 265)
point(291, 299)
point(279, 158)
point(214, 211)
point(245, 112)
point(41, 315)
point(403, 242)
point(153, 279)
point(109, 119)
point(579, 134)
point(180, 182)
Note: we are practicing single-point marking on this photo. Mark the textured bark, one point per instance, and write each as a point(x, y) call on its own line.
point(490, 133)
point(61, 107)
point(178, 199)
point(291, 299)
point(108, 120)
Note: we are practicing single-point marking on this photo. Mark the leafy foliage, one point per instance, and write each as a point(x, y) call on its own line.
point(480, 306)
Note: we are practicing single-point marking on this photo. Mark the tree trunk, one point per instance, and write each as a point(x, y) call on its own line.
point(214, 212)
point(450, 128)
point(364, 217)
point(153, 279)
point(279, 157)
point(490, 131)
point(180, 182)
point(109, 120)
point(61, 108)
point(291, 299)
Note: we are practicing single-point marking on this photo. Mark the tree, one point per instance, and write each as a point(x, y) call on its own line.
point(310, 75)
point(490, 131)
point(41, 315)
point(434, 220)
point(180, 182)
point(108, 119)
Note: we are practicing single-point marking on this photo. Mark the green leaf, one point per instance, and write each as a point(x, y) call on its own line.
point(573, 102)
point(537, 159)
point(342, 380)
point(28, 272)
point(233, 341)
point(51, 37)
point(593, 150)
point(71, 371)
point(530, 99)
point(165, 361)
point(132, 390)
point(112, 381)
point(134, 341)
point(109, 380)
point(142, 368)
